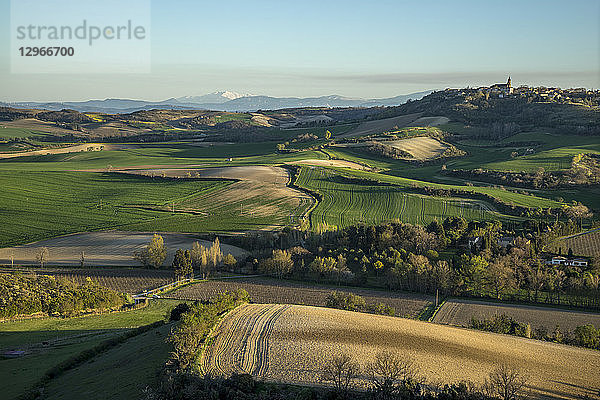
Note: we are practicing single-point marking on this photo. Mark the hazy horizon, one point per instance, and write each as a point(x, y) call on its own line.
point(377, 50)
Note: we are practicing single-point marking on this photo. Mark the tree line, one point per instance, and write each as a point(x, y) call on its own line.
point(199, 258)
point(584, 335)
point(453, 257)
point(24, 295)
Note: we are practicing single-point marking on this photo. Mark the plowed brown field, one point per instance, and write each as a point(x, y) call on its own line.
point(291, 343)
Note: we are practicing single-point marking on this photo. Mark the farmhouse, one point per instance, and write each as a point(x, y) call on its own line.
point(506, 241)
point(475, 242)
point(567, 262)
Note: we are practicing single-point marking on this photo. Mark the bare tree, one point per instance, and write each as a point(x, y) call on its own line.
point(340, 371)
point(389, 372)
point(505, 383)
point(42, 256)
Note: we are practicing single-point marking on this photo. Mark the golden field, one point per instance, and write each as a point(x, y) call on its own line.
point(291, 343)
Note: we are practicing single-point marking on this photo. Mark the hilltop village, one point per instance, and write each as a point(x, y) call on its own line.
point(534, 94)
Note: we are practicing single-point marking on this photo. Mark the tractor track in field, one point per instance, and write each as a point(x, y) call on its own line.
point(241, 341)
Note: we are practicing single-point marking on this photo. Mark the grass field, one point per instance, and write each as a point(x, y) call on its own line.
point(161, 154)
point(507, 196)
point(460, 312)
point(551, 152)
point(10, 132)
point(554, 153)
point(42, 205)
point(119, 373)
point(583, 244)
point(47, 204)
point(345, 203)
point(268, 290)
point(50, 341)
point(403, 174)
point(292, 343)
point(50, 195)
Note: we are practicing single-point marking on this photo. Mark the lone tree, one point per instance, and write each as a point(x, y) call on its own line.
point(42, 256)
point(229, 262)
point(505, 383)
point(182, 264)
point(279, 264)
point(578, 212)
point(215, 255)
point(340, 371)
point(154, 254)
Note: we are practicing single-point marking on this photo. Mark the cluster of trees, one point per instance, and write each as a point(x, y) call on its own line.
point(208, 259)
point(354, 302)
point(154, 254)
point(407, 257)
point(583, 336)
point(389, 376)
point(200, 258)
point(25, 294)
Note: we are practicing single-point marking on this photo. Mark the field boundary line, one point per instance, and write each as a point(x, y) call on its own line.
point(200, 353)
point(438, 308)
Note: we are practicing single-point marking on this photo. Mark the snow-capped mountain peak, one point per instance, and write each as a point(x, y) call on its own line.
point(214, 97)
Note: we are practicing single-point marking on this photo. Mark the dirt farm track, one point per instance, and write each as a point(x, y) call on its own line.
point(288, 343)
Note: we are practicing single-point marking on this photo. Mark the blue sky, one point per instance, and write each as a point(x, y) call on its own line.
point(378, 48)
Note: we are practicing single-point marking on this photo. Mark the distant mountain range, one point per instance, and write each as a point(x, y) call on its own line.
point(217, 101)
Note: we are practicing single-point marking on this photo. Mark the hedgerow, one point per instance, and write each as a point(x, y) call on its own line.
point(30, 294)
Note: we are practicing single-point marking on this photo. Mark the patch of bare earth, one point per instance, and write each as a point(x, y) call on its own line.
point(68, 149)
point(291, 344)
point(107, 248)
point(420, 148)
point(269, 290)
point(331, 163)
point(460, 312)
point(430, 121)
